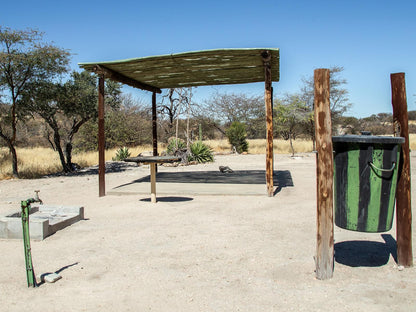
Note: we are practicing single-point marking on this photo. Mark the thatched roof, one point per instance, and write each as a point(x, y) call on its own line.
point(199, 68)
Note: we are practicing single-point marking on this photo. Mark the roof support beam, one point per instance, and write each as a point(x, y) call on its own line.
point(404, 190)
point(154, 125)
point(113, 75)
point(266, 55)
point(101, 138)
point(324, 260)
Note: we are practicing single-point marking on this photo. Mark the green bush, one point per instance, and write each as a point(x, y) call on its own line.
point(121, 154)
point(174, 145)
point(237, 136)
point(201, 153)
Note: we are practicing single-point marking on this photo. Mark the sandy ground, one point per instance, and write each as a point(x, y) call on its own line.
point(198, 252)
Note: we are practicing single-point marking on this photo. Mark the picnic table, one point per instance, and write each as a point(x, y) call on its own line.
point(153, 161)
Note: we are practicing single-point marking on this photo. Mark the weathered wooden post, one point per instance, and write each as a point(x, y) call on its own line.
point(269, 120)
point(324, 259)
point(101, 137)
point(403, 191)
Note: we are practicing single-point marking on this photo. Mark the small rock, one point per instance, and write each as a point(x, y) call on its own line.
point(400, 268)
point(226, 169)
point(49, 277)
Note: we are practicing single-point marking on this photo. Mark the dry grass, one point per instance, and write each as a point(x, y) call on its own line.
point(37, 162)
point(258, 146)
point(40, 161)
point(32, 162)
point(412, 141)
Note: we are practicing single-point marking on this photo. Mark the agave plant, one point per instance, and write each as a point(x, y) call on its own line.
point(121, 154)
point(201, 153)
point(174, 145)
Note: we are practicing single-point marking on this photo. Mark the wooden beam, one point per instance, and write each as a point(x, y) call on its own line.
point(153, 182)
point(271, 103)
point(324, 259)
point(154, 124)
point(403, 192)
point(101, 138)
point(266, 55)
point(111, 74)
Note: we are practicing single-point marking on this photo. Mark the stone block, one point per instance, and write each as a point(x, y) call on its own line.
point(49, 277)
point(44, 220)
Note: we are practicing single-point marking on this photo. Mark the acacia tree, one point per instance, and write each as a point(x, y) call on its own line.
point(291, 113)
point(129, 124)
point(24, 60)
point(66, 107)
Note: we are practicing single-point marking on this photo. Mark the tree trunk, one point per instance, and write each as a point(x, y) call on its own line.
point(176, 133)
point(51, 143)
point(291, 144)
point(14, 157)
point(12, 151)
point(57, 141)
point(68, 154)
point(187, 121)
point(312, 134)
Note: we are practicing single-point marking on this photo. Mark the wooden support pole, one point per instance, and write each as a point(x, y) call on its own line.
point(324, 260)
point(269, 121)
point(154, 124)
point(271, 103)
point(403, 192)
point(153, 182)
point(101, 138)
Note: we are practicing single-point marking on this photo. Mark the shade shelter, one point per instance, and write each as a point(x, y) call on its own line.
point(190, 69)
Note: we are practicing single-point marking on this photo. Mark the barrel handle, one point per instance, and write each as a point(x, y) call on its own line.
point(382, 170)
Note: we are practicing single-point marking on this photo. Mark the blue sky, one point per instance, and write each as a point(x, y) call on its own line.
point(370, 39)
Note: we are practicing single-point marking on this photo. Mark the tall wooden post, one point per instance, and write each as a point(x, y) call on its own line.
point(271, 104)
point(269, 121)
point(324, 260)
point(101, 137)
point(403, 192)
point(154, 124)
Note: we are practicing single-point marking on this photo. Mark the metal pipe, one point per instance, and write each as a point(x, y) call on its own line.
point(25, 205)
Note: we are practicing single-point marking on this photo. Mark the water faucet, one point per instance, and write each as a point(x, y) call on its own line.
point(37, 199)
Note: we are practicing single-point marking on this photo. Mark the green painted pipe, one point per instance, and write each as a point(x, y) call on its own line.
point(30, 273)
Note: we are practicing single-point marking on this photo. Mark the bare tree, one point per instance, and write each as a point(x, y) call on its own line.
point(175, 103)
point(224, 109)
point(339, 95)
point(339, 98)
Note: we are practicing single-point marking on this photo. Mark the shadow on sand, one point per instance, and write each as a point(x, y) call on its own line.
point(42, 276)
point(366, 253)
point(281, 178)
point(169, 199)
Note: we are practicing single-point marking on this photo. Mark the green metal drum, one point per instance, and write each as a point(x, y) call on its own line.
point(365, 177)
